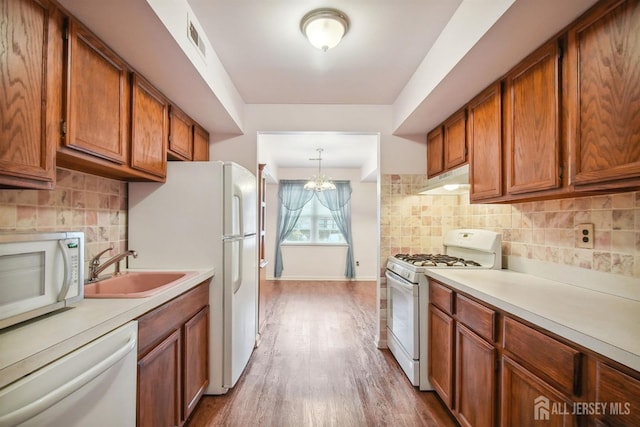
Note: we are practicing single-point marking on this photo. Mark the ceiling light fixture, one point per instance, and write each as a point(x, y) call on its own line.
point(324, 27)
point(319, 182)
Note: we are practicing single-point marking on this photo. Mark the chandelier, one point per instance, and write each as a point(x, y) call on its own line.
point(319, 182)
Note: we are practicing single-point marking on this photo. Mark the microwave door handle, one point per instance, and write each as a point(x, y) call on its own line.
point(67, 272)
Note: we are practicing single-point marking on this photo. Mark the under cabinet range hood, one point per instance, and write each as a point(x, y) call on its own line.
point(449, 183)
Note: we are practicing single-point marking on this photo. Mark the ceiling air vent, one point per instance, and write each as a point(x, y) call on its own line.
point(195, 38)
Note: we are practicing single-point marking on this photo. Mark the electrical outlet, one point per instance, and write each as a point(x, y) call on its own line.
point(357, 263)
point(584, 236)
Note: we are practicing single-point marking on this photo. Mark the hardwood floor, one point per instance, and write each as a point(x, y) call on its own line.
point(317, 365)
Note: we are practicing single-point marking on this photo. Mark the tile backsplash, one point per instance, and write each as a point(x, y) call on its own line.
point(80, 202)
point(544, 230)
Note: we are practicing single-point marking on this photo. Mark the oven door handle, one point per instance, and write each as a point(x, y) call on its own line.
point(396, 281)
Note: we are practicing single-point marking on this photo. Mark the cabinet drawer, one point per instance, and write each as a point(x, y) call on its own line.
point(441, 296)
point(623, 394)
point(480, 319)
point(155, 325)
point(553, 361)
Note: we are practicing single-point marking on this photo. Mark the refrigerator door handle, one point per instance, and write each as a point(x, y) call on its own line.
point(238, 282)
point(233, 248)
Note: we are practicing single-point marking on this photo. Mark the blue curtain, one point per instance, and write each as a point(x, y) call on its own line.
point(293, 197)
point(338, 202)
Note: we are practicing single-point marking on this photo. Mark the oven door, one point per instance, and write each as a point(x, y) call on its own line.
point(402, 313)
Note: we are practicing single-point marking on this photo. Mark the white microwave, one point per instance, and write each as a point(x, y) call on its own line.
point(39, 273)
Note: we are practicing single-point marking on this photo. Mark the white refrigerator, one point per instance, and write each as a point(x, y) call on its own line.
point(205, 216)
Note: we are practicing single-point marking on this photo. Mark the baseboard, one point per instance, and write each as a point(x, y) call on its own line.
point(325, 279)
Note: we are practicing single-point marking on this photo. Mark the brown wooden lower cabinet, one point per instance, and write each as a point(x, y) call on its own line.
point(620, 391)
point(196, 357)
point(510, 373)
point(527, 400)
point(475, 373)
point(441, 354)
point(173, 358)
point(159, 384)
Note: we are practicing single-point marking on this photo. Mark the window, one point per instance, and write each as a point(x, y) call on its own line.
point(315, 226)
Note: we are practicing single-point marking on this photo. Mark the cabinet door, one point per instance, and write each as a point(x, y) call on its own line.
point(603, 60)
point(528, 401)
point(475, 379)
point(441, 354)
point(196, 360)
point(200, 144)
point(532, 123)
point(149, 128)
point(159, 382)
point(180, 135)
point(97, 98)
point(485, 144)
point(455, 140)
point(30, 82)
point(435, 152)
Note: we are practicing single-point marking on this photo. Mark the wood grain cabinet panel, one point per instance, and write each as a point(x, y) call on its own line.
point(621, 392)
point(555, 362)
point(455, 140)
point(475, 373)
point(30, 83)
point(180, 136)
point(441, 330)
point(149, 128)
point(532, 122)
point(526, 400)
point(478, 318)
point(484, 127)
point(435, 152)
point(200, 144)
point(97, 98)
point(196, 356)
point(173, 358)
point(441, 296)
point(159, 379)
point(603, 61)
point(447, 144)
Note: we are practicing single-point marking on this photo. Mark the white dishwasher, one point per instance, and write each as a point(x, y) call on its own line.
point(94, 385)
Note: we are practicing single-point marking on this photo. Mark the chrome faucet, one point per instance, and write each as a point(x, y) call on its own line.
point(96, 268)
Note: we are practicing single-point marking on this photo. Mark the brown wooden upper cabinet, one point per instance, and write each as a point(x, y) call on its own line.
point(455, 140)
point(97, 98)
point(603, 96)
point(447, 144)
point(30, 82)
point(180, 136)
point(484, 127)
point(532, 122)
point(149, 128)
point(115, 125)
point(435, 152)
point(200, 144)
point(187, 139)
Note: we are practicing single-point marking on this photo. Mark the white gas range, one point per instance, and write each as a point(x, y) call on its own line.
point(408, 293)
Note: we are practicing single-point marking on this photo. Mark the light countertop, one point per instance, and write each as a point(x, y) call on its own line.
point(605, 323)
point(28, 346)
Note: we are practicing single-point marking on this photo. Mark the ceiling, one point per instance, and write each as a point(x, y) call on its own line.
point(424, 58)
point(271, 62)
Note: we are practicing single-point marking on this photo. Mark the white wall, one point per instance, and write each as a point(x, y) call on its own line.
point(328, 262)
point(402, 155)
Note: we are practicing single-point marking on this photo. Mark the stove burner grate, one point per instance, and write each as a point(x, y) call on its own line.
point(436, 260)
